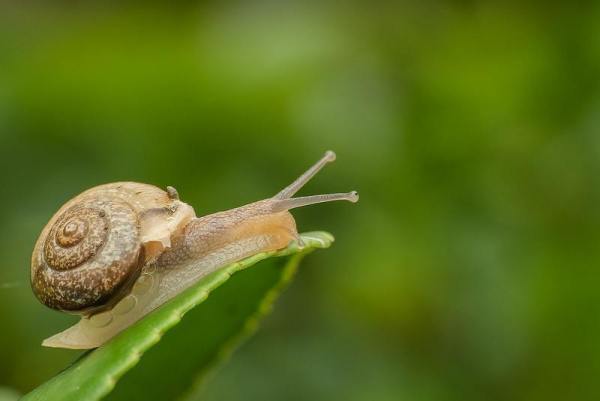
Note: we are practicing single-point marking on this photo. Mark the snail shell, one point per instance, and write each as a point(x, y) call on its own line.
point(92, 250)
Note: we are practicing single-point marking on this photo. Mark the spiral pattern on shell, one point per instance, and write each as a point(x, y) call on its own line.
point(90, 253)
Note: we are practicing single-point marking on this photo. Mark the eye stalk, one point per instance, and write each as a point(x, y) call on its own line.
point(284, 201)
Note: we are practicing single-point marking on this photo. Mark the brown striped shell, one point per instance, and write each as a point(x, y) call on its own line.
point(92, 250)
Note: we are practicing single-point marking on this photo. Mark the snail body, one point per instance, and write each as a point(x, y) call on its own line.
point(118, 251)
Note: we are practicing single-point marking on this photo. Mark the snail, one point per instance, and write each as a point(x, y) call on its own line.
point(118, 251)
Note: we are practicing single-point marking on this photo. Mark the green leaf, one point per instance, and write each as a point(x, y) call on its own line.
point(188, 348)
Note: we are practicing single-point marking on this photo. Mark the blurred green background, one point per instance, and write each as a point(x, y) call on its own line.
point(468, 270)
